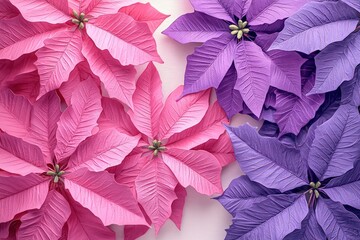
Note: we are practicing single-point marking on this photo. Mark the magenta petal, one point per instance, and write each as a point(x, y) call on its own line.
point(7, 10)
point(178, 206)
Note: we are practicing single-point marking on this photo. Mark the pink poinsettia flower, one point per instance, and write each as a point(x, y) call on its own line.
point(65, 33)
point(52, 168)
point(174, 151)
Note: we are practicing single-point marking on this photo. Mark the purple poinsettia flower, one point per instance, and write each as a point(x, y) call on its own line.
point(329, 26)
point(233, 58)
point(307, 192)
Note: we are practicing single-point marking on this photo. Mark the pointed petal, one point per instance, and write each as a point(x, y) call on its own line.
point(78, 120)
point(15, 113)
point(213, 8)
point(266, 160)
point(46, 222)
point(147, 102)
point(308, 29)
point(20, 157)
point(253, 69)
point(9, 70)
point(350, 91)
point(51, 11)
point(7, 10)
point(264, 218)
point(178, 206)
point(196, 27)
point(208, 65)
point(98, 8)
point(145, 13)
point(198, 169)
point(28, 193)
point(27, 85)
point(242, 194)
point(210, 127)
point(353, 3)
point(179, 115)
point(106, 149)
point(336, 146)
point(109, 201)
point(19, 37)
point(119, 81)
point(155, 188)
point(336, 221)
point(57, 59)
point(128, 41)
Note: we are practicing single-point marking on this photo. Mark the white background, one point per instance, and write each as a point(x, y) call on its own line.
point(203, 218)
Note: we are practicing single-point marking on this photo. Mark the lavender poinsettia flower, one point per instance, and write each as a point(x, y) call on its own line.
point(297, 193)
point(308, 31)
point(233, 58)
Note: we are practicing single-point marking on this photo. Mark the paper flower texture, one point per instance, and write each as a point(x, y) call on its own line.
point(309, 192)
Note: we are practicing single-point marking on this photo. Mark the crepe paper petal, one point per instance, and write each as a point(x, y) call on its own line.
point(27, 85)
point(147, 102)
point(114, 116)
point(208, 65)
point(183, 114)
point(145, 13)
point(79, 119)
point(310, 229)
point(119, 81)
point(84, 225)
point(253, 69)
point(229, 98)
point(44, 117)
point(308, 29)
point(242, 194)
point(336, 221)
point(9, 70)
point(51, 11)
point(15, 113)
point(128, 41)
point(272, 218)
point(350, 91)
point(214, 8)
point(198, 169)
point(98, 8)
point(109, 201)
point(46, 222)
point(265, 160)
point(57, 59)
point(29, 194)
point(155, 187)
point(20, 157)
point(345, 189)
point(327, 157)
point(221, 148)
point(21, 37)
point(336, 64)
point(210, 127)
point(269, 11)
point(178, 205)
point(353, 3)
point(103, 150)
point(196, 27)
point(133, 232)
point(7, 10)
point(4, 229)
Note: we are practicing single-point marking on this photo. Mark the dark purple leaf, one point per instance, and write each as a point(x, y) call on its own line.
point(350, 91)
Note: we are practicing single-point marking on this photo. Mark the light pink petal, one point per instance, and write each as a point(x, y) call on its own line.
point(84, 225)
point(147, 102)
point(155, 187)
point(57, 59)
point(145, 13)
point(128, 41)
point(7, 10)
point(106, 149)
point(198, 169)
point(46, 222)
point(51, 11)
point(15, 112)
point(114, 116)
point(45, 115)
point(18, 194)
point(221, 148)
point(118, 80)
point(20, 37)
point(98, 8)
point(20, 157)
point(27, 85)
point(78, 120)
point(179, 115)
point(106, 199)
point(210, 127)
point(178, 206)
